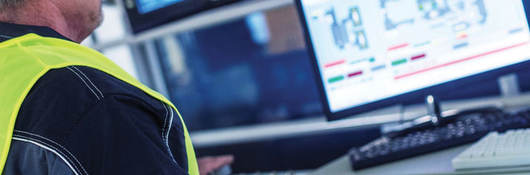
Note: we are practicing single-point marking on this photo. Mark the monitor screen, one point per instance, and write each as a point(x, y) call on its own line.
point(146, 6)
point(145, 15)
point(368, 51)
point(248, 71)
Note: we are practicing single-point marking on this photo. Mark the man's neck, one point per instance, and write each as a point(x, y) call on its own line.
point(41, 13)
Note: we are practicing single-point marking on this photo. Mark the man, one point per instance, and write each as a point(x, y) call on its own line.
point(66, 109)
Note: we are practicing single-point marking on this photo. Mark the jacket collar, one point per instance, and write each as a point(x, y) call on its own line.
point(9, 31)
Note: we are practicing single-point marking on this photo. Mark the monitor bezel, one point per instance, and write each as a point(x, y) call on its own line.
point(142, 22)
point(405, 98)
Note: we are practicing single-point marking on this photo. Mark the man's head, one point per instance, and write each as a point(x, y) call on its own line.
point(4, 4)
point(75, 19)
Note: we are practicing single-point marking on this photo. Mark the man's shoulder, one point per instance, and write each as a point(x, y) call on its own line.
point(71, 91)
point(85, 84)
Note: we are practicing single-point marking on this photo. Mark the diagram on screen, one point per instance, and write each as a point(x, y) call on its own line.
point(348, 31)
point(469, 12)
point(394, 20)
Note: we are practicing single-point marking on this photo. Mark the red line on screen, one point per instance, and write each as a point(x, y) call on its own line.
point(418, 57)
point(463, 36)
point(460, 60)
point(334, 63)
point(355, 74)
point(398, 46)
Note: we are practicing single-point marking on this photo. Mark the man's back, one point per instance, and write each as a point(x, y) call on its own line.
point(80, 120)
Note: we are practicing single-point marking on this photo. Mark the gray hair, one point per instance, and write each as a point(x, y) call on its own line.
point(10, 3)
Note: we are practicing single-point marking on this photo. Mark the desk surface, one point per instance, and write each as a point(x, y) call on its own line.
point(438, 163)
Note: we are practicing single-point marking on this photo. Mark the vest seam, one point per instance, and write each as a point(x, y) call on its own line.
point(166, 115)
point(50, 148)
point(6, 36)
point(90, 81)
point(68, 155)
point(166, 135)
point(86, 84)
point(137, 98)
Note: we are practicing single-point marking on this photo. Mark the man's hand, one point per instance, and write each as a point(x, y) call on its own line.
point(210, 164)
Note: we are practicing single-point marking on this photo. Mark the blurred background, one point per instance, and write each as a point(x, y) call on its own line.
point(243, 83)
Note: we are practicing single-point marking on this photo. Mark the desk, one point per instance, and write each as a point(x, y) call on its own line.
point(437, 163)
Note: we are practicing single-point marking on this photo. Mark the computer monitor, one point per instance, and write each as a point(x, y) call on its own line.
point(373, 54)
point(248, 71)
point(147, 14)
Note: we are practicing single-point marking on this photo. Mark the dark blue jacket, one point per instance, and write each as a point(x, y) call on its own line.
point(78, 120)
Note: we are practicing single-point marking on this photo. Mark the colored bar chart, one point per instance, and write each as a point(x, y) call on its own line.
point(355, 74)
point(371, 59)
point(378, 68)
point(336, 79)
point(399, 46)
point(459, 46)
point(399, 62)
point(336, 63)
point(417, 57)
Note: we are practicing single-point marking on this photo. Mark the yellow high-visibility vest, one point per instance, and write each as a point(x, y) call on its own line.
point(25, 59)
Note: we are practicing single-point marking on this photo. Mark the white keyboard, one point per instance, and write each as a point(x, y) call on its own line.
point(510, 149)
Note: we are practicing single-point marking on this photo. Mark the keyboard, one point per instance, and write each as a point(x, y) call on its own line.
point(510, 149)
point(459, 129)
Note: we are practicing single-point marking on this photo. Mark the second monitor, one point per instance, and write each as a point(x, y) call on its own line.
point(372, 54)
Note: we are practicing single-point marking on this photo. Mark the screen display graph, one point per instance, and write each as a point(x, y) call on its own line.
point(372, 50)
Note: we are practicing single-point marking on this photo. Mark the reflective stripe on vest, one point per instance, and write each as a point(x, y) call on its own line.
point(24, 60)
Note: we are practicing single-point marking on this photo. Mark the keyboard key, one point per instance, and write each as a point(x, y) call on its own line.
point(496, 150)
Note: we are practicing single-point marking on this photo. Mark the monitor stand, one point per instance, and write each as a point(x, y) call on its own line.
point(433, 118)
point(433, 110)
point(508, 85)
